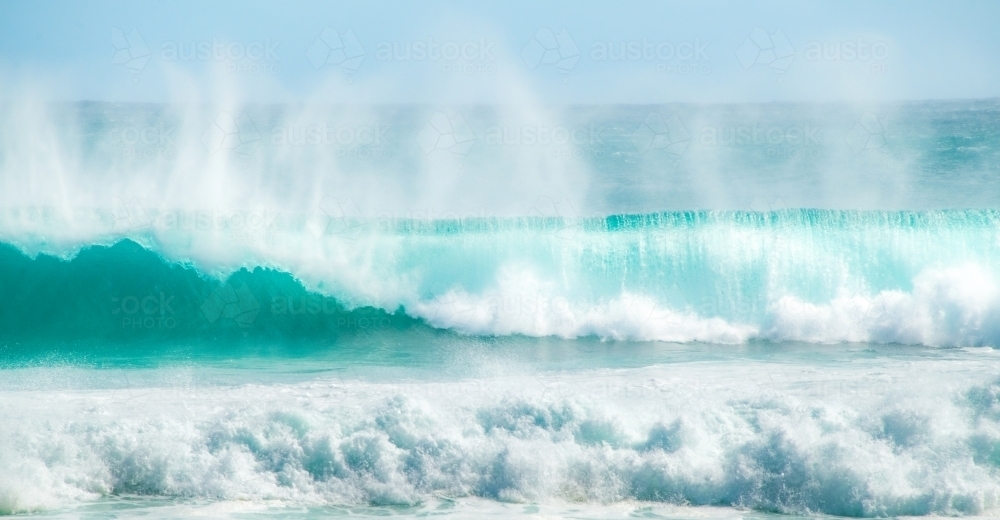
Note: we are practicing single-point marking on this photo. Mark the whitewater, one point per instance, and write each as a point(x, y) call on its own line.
point(273, 327)
point(852, 431)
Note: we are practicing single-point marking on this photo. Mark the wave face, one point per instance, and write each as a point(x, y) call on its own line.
point(126, 294)
point(820, 276)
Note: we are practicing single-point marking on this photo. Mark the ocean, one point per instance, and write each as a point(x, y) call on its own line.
point(669, 311)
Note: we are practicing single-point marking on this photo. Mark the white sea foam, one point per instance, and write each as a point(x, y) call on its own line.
point(903, 437)
point(521, 303)
point(957, 306)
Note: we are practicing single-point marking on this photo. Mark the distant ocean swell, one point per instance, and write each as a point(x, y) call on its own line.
point(718, 277)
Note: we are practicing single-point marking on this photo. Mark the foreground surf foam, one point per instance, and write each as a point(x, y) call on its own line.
point(870, 437)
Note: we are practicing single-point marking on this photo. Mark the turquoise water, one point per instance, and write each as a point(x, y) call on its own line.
point(734, 328)
point(821, 276)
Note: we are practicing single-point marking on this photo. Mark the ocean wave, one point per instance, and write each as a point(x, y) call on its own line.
point(715, 277)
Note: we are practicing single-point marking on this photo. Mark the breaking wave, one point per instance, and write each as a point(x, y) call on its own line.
point(720, 277)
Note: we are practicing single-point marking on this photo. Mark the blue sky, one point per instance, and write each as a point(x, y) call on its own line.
point(503, 52)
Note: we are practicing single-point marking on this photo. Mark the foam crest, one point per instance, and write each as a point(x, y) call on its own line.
point(958, 306)
point(521, 303)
